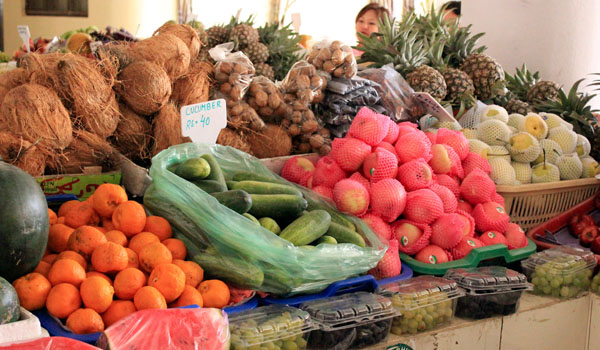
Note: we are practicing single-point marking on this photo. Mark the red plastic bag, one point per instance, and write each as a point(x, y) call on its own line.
point(49, 343)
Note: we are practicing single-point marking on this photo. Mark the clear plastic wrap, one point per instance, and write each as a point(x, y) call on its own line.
point(267, 100)
point(302, 84)
point(48, 343)
point(333, 57)
point(233, 71)
point(252, 256)
point(169, 329)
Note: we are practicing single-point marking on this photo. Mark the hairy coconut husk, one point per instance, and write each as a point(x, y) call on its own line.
point(228, 137)
point(87, 149)
point(166, 128)
point(195, 85)
point(145, 87)
point(119, 51)
point(166, 50)
point(42, 69)
point(273, 141)
point(187, 34)
point(22, 153)
point(11, 79)
point(37, 114)
point(133, 134)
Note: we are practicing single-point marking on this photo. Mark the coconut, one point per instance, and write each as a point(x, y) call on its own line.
point(133, 134)
point(194, 86)
point(145, 87)
point(166, 50)
point(36, 114)
point(87, 149)
point(11, 79)
point(120, 51)
point(273, 141)
point(22, 153)
point(187, 34)
point(166, 128)
point(228, 137)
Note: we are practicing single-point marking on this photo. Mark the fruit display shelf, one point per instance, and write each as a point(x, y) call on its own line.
point(533, 204)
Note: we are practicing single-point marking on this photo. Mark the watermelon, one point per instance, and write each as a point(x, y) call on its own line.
point(49, 343)
point(24, 229)
point(168, 329)
point(9, 303)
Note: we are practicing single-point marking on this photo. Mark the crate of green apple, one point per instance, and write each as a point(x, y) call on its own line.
point(424, 192)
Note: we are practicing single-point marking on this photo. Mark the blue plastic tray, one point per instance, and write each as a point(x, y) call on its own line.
point(365, 283)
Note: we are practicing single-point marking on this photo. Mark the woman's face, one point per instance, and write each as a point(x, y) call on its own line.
point(367, 23)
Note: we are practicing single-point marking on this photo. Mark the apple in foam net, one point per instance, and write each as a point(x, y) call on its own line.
point(407, 233)
point(440, 162)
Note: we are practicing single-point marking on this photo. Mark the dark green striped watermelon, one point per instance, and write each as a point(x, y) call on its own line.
point(24, 218)
point(9, 303)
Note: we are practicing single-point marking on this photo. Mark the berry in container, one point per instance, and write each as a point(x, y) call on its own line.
point(349, 321)
point(489, 291)
point(561, 272)
point(423, 303)
point(275, 327)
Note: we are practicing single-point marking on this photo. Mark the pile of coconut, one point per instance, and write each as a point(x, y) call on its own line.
point(60, 113)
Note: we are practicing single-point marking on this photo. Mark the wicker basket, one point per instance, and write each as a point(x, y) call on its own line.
point(533, 204)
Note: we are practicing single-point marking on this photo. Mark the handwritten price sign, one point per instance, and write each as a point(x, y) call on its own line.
point(202, 122)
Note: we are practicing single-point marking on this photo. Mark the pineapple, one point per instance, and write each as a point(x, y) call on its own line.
point(458, 83)
point(282, 43)
point(264, 70)
point(257, 52)
point(427, 79)
point(515, 105)
point(243, 35)
point(543, 91)
point(520, 83)
point(486, 73)
point(217, 35)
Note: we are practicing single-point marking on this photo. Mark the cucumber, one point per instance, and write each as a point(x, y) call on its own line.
point(326, 240)
point(247, 175)
point(236, 200)
point(173, 167)
point(251, 218)
point(307, 228)
point(270, 225)
point(210, 186)
point(259, 187)
point(215, 170)
point(238, 272)
point(193, 169)
point(335, 215)
point(277, 206)
point(345, 235)
point(230, 184)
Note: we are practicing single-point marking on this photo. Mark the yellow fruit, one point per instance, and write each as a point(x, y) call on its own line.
point(545, 172)
point(502, 172)
point(479, 147)
point(566, 138)
point(522, 172)
point(535, 125)
point(493, 132)
point(523, 147)
point(570, 166)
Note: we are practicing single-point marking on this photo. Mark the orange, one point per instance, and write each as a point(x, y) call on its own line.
point(149, 298)
point(52, 217)
point(96, 293)
point(132, 258)
point(107, 197)
point(153, 255)
point(32, 289)
point(63, 300)
point(67, 206)
point(66, 271)
point(109, 257)
point(129, 218)
point(190, 296)
point(100, 228)
point(117, 310)
point(69, 254)
point(85, 321)
point(50, 258)
point(58, 237)
point(137, 242)
point(43, 268)
point(99, 274)
point(61, 220)
point(81, 215)
point(176, 247)
point(85, 239)
point(169, 279)
point(107, 224)
point(159, 226)
point(128, 282)
point(215, 293)
point(194, 274)
point(116, 237)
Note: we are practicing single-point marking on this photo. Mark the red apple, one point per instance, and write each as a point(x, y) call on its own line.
point(578, 222)
point(588, 235)
point(407, 233)
point(596, 245)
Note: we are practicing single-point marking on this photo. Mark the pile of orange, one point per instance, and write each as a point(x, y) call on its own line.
point(106, 259)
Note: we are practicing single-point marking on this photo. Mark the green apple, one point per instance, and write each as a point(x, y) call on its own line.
point(493, 132)
point(570, 166)
point(479, 147)
point(535, 125)
point(583, 146)
point(553, 151)
point(494, 112)
point(440, 161)
point(499, 151)
point(515, 119)
point(502, 172)
point(590, 167)
point(545, 172)
point(522, 172)
point(566, 138)
point(552, 120)
point(523, 147)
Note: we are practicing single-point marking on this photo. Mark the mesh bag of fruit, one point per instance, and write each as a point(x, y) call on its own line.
point(233, 72)
point(230, 247)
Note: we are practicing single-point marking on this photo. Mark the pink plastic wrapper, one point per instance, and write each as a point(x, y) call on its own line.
point(49, 343)
point(169, 329)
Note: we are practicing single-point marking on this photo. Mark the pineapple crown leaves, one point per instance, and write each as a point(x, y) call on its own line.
point(520, 83)
point(460, 44)
point(433, 24)
point(282, 42)
point(467, 100)
point(596, 82)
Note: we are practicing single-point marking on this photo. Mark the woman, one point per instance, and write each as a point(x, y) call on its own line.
point(367, 21)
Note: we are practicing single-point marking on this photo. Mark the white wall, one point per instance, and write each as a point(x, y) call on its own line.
point(560, 38)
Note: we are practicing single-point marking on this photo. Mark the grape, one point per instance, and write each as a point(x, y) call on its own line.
point(419, 314)
point(556, 279)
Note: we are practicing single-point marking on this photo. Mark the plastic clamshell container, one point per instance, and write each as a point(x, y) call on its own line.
point(424, 303)
point(489, 291)
point(562, 272)
point(26, 328)
point(270, 327)
point(350, 321)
